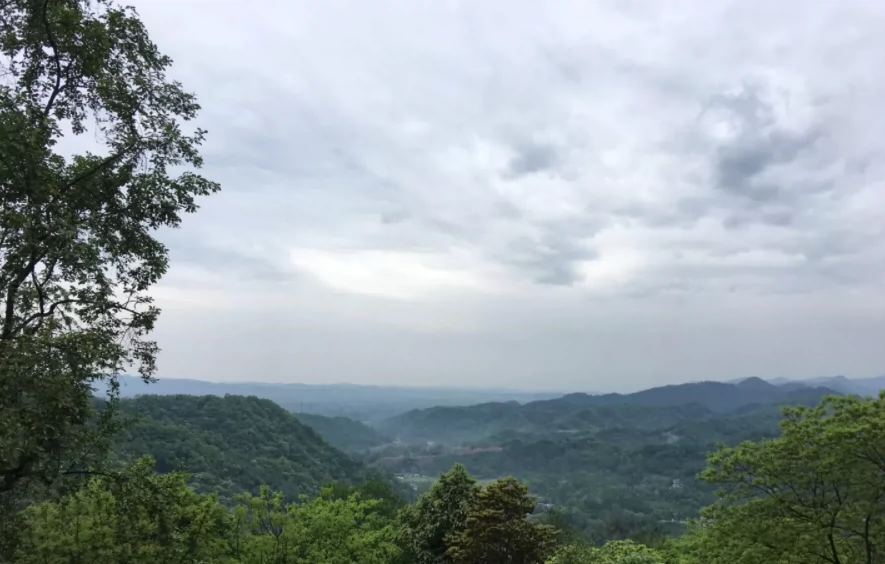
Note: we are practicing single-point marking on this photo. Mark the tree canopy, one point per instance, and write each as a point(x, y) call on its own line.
point(77, 245)
point(815, 493)
point(232, 444)
point(497, 529)
point(615, 552)
point(141, 517)
point(427, 527)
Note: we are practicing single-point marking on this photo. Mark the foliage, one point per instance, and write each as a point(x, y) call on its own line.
point(497, 531)
point(141, 517)
point(388, 501)
point(343, 433)
point(232, 445)
point(567, 533)
point(77, 251)
point(136, 516)
point(615, 552)
point(816, 493)
point(427, 526)
point(322, 530)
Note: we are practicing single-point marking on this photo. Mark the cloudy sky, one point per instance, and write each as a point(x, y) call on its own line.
point(550, 195)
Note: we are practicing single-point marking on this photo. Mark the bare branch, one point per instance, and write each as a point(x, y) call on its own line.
point(56, 57)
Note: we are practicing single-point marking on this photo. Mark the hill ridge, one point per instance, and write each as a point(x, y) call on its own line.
point(231, 444)
point(661, 405)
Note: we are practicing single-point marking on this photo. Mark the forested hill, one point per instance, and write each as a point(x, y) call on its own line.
point(655, 408)
point(233, 444)
point(344, 433)
point(718, 397)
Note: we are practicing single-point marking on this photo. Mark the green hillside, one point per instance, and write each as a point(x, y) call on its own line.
point(343, 433)
point(656, 408)
point(233, 444)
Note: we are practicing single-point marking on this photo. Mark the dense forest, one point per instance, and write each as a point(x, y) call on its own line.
point(610, 471)
point(710, 473)
point(232, 445)
point(633, 479)
point(813, 492)
point(603, 472)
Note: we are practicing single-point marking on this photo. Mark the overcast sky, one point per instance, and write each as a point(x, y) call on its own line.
point(551, 195)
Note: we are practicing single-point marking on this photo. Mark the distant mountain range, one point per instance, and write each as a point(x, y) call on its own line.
point(719, 397)
point(841, 384)
point(458, 415)
point(653, 408)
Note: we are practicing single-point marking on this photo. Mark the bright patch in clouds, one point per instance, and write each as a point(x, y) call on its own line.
point(397, 275)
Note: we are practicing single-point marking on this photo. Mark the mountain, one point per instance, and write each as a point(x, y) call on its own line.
point(841, 384)
point(653, 408)
point(715, 396)
point(362, 403)
point(792, 386)
point(474, 424)
point(756, 385)
point(775, 381)
point(858, 386)
point(802, 395)
point(615, 447)
point(872, 385)
point(718, 397)
point(343, 433)
point(232, 444)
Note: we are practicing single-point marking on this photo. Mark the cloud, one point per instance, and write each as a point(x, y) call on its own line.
point(397, 275)
point(532, 159)
point(532, 194)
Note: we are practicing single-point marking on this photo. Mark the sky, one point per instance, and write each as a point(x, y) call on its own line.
point(591, 196)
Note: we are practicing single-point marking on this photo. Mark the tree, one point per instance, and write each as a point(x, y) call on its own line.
point(614, 552)
point(77, 245)
point(326, 530)
point(427, 526)
point(387, 502)
point(497, 531)
point(136, 516)
point(567, 533)
point(816, 493)
point(141, 517)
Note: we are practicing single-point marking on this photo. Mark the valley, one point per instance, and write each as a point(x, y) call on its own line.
point(612, 466)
